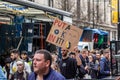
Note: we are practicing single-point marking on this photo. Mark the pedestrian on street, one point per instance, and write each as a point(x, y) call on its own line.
point(68, 66)
point(20, 74)
point(25, 57)
point(84, 59)
point(92, 68)
point(105, 64)
point(15, 54)
point(6, 68)
point(42, 61)
point(54, 64)
point(2, 75)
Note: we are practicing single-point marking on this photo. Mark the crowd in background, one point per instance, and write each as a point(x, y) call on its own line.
point(75, 65)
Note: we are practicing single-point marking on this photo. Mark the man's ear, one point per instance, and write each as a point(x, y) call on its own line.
point(47, 63)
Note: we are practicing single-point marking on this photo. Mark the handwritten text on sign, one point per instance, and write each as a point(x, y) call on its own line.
point(64, 35)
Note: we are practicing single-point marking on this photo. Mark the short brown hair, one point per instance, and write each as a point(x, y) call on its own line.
point(106, 51)
point(47, 55)
point(15, 51)
point(83, 50)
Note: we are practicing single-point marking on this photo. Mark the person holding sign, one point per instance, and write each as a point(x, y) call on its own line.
point(68, 66)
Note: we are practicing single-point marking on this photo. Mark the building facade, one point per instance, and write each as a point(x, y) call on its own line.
point(87, 13)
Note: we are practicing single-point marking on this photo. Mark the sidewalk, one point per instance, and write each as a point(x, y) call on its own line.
point(110, 78)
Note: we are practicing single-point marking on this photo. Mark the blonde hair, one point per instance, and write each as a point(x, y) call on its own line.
point(20, 62)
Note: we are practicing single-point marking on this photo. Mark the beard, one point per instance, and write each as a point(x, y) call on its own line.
point(13, 59)
point(64, 55)
point(40, 70)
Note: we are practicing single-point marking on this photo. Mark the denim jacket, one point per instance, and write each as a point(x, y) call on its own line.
point(2, 75)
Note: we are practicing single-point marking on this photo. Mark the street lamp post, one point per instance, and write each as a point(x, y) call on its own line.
point(118, 26)
point(93, 15)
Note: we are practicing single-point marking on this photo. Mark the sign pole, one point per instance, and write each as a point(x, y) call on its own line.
point(118, 25)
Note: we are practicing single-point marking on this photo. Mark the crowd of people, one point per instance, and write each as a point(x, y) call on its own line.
point(45, 65)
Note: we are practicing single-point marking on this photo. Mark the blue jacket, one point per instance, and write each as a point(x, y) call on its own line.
point(104, 67)
point(2, 75)
point(52, 75)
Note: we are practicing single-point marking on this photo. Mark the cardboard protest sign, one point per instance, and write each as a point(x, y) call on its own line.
point(64, 35)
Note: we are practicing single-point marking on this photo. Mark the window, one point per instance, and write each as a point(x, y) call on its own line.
point(114, 35)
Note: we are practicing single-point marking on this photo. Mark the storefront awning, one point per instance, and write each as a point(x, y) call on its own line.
point(39, 7)
point(31, 10)
point(8, 10)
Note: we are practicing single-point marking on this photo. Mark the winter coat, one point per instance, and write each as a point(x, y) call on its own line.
point(104, 67)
